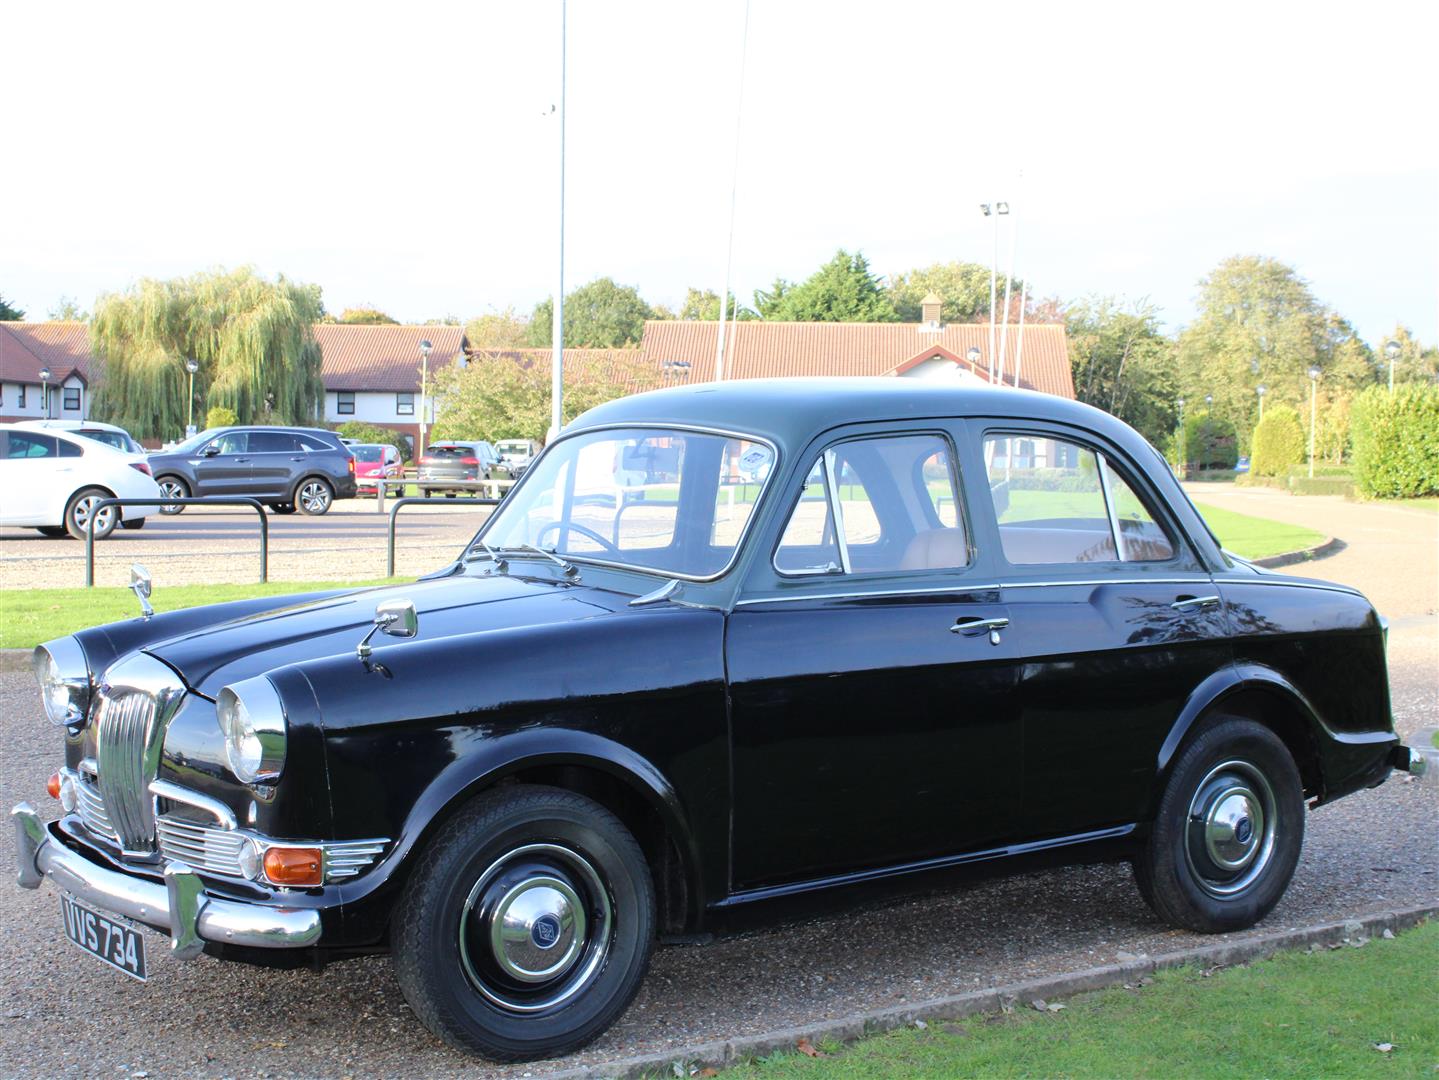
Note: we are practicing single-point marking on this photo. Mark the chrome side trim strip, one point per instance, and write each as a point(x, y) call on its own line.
point(941, 863)
point(860, 595)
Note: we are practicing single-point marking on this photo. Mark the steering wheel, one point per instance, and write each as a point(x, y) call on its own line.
point(556, 526)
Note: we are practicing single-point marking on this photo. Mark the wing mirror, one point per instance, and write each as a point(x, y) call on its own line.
point(210, 451)
point(141, 587)
point(397, 618)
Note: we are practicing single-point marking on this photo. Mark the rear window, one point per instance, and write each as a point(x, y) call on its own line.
point(452, 451)
point(366, 453)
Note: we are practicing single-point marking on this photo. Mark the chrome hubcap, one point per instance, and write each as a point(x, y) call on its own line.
point(536, 928)
point(1231, 830)
point(314, 496)
point(86, 506)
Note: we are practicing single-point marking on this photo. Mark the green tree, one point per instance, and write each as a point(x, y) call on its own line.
point(251, 336)
point(365, 315)
point(365, 432)
point(8, 313)
point(1278, 442)
point(963, 286)
point(842, 290)
point(497, 330)
point(703, 305)
point(1259, 324)
point(500, 396)
point(1123, 363)
point(66, 310)
point(221, 416)
point(599, 315)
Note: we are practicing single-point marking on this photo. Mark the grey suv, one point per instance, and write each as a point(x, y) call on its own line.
point(288, 468)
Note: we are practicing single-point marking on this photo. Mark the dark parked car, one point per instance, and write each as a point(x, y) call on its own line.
point(287, 468)
point(449, 459)
point(724, 649)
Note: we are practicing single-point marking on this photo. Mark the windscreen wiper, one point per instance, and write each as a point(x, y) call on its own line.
point(485, 552)
point(571, 571)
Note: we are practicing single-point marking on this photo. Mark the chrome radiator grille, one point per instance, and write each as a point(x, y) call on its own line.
point(204, 848)
point(90, 805)
point(124, 723)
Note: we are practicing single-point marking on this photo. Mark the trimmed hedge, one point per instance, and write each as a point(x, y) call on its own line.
point(221, 416)
point(1396, 442)
point(1321, 485)
point(1278, 442)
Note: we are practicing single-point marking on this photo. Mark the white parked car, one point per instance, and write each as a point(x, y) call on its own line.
point(109, 434)
point(51, 480)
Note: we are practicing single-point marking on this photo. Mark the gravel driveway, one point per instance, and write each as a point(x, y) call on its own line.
point(65, 1014)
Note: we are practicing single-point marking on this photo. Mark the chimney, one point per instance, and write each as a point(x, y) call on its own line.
point(930, 313)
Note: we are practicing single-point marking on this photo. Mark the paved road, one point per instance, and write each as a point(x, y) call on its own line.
point(63, 1014)
point(222, 545)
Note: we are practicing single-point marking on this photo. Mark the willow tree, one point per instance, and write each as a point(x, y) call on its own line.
point(251, 337)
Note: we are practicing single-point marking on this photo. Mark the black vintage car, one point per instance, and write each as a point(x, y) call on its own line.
point(723, 651)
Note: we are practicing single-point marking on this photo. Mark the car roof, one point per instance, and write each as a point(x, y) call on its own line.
point(792, 411)
point(70, 425)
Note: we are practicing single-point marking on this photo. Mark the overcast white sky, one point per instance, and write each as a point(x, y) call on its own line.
point(401, 155)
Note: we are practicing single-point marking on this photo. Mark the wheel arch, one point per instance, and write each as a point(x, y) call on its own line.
point(1257, 693)
point(616, 777)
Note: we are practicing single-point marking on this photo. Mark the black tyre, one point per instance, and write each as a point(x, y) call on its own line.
point(132, 523)
point(173, 487)
point(1228, 830)
point(80, 508)
point(314, 496)
point(527, 925)
point(282, 508)
point(54, 532)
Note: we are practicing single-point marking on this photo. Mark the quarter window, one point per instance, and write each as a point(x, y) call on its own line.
point(1059, 502)
point(874, 506)
point(345, 402)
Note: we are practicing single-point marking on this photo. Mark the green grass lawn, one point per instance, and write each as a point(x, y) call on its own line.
point(1254, 538)
point(1297, 1015)
point(35, 615)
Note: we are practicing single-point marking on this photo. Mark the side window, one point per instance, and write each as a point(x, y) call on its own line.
point(25, 445)
point(69, 449)
point(1059, 502)
point(309, 442)
point(273, 442)
point(875, 506)
point(232, 442)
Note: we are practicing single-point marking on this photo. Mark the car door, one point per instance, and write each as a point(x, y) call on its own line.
point(1115, 617)
point(34, 478)
point(871, 676)
point(275, 460)
point(223, 466)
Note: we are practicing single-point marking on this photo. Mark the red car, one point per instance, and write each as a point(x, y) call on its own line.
point(375, 461)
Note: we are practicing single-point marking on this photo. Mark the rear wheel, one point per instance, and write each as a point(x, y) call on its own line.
point(82, 507)
point(313, 496)
point(1228, 831)
point(172, 487)
point(527, 926)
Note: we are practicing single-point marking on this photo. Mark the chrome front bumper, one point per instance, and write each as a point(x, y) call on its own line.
point(1410, 760)
point(181, 906)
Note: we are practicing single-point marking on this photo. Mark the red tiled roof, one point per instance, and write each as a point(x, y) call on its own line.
point(768, 349)
point(629, 367)
point(25, 348)
point(382, 357)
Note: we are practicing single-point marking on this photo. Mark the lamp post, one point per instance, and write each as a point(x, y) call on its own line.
point(1261, 389)
point(1183, 449)
point(425, 349)
point(1314, 374)
point(973, 355)
point(1392, 349)
point(1208, 402)
point(191, 366)
point(45, 391)
point(993, 212)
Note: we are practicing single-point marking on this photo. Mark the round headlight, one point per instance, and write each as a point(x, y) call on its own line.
point(252, 719)
point(64, 679)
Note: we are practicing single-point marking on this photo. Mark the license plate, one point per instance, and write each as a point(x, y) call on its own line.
point(118, 945)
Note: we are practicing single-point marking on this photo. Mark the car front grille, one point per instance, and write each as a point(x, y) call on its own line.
point(202, 847)
point(90, 805)
point(124, 723)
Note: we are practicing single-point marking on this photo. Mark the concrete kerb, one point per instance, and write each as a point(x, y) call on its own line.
point(722, 1054)
point(1330, 546)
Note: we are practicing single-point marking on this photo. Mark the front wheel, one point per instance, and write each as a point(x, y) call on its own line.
point(1228, 831)
point(527, 925)
point(314, 496)
point(172, 487)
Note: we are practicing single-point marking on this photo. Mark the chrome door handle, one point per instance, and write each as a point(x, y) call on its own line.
point(1191, 603)
point(973, 626)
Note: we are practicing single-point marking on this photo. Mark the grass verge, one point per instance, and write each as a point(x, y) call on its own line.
point(1255, 538)
point(1295, 1015)
point(36, 615)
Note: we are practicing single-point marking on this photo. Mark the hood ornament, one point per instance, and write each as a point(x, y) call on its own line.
point(394, 617)
point(140, 586)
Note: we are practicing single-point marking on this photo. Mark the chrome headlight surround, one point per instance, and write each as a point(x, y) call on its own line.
point(65, 682)
point(252, 719)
